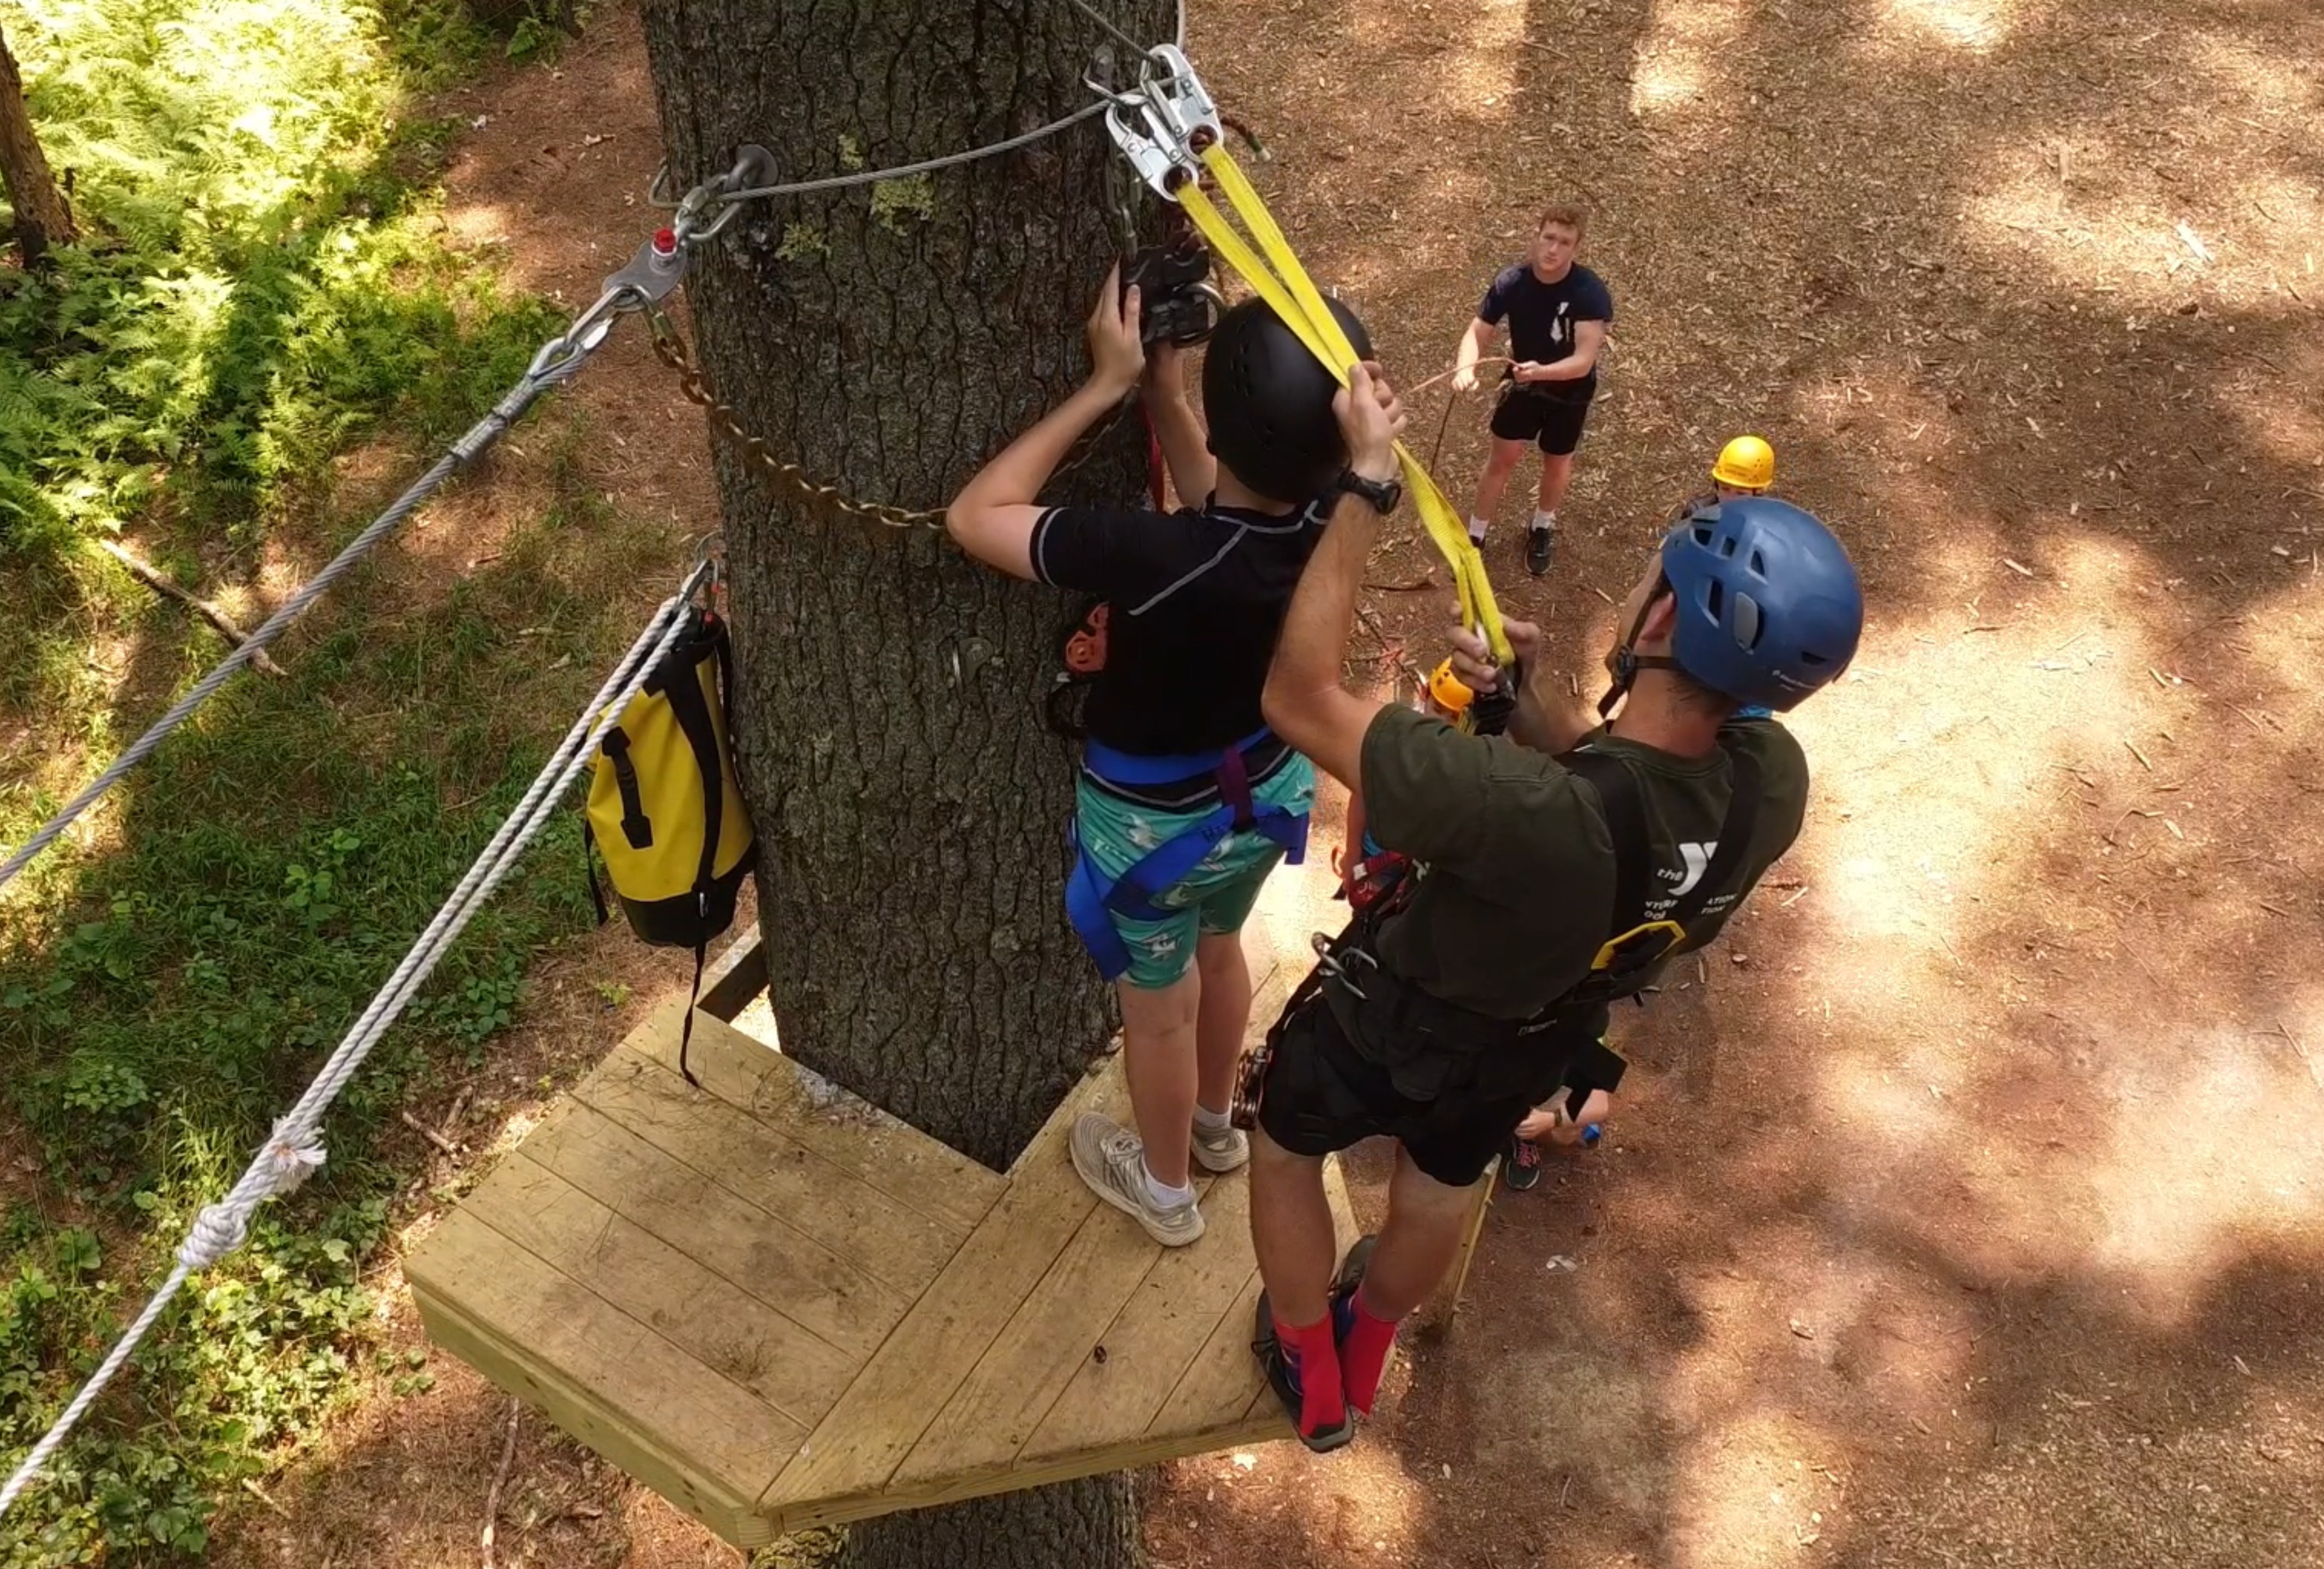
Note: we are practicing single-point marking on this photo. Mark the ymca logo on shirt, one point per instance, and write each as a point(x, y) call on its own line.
point(1697, 858)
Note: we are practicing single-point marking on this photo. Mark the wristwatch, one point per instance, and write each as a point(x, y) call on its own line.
point(1384, 494)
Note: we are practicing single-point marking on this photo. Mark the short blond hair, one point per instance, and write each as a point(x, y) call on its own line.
point(1572, 215)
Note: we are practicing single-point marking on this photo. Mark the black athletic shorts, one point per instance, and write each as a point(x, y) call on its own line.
point(1553, 419)
point(1321, 1096)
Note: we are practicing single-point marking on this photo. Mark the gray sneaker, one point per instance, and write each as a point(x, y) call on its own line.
point(1112, 1160)
point(1222, 1151)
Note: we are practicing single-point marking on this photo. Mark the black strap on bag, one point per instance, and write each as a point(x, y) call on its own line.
point(679, 677)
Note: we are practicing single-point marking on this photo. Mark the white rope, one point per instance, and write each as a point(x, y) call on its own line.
point(295, 1148)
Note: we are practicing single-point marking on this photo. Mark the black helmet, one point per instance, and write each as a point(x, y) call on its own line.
point(1269, 402)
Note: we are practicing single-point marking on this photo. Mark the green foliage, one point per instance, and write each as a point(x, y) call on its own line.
point(287, 851)
point(263, 285)
point(259, 282)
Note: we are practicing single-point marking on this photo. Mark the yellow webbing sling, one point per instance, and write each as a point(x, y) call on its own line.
point(1278, 278)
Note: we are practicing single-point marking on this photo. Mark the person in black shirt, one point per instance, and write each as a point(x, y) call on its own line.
point(1557, 311)
point(1186, 800)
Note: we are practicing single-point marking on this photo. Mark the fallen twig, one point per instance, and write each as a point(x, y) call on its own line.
point(500, 1480)
point(262, 1496)
point(161, 583)
point(2138, 754)
point(433, 1137)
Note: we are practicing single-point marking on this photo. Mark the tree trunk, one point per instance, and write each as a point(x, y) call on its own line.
point(43, 218)
point(888, 699)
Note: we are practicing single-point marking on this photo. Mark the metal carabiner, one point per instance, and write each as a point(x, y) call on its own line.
point(1163, 126)
point(1329, 962)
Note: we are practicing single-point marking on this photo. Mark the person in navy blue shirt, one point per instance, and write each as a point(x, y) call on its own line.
point(1557, 312)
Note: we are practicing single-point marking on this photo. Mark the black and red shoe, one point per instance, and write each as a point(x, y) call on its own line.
point(1521, 1165)
point(1282, 1372)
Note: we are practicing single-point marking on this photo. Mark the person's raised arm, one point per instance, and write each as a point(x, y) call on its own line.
point(1473, 349)
point(1185, 445)
point(1304, 700)
point(994, 516)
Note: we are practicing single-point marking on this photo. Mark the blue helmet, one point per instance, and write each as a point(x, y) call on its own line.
point(1768, 606)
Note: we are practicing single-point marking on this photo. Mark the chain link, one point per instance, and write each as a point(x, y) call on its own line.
point(670, 348)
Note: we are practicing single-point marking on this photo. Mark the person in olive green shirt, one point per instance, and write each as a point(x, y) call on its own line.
point(1446, 1021)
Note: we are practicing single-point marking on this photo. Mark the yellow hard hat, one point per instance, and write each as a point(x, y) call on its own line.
point(1452, 693)
point(1746, 463)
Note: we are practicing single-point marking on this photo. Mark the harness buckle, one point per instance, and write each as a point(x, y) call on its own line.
point(1163, 126)
point(1631, 951)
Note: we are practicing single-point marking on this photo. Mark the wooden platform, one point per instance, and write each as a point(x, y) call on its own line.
point(780, 1308)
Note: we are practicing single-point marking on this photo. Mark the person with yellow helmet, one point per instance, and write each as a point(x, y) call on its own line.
point(1746, 465)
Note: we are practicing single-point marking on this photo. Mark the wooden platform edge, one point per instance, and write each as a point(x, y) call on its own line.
point(724, 1515)
point(1263, 1424)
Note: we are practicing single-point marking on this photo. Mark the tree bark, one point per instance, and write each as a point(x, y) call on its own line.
point(42, 218)
point(911, 804)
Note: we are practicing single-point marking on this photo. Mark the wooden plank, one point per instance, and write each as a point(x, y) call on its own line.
point(1133, 1454)
point(757, 1160)
point(857, 1137)
point(1052, 1335)
point(600, 1374)
point(722, 1325)
point(736, 1240)
point(734, 979)
point(1120, 1383)
point(880, 1418)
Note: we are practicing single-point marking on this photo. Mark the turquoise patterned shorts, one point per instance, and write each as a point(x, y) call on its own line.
point(1214, 898)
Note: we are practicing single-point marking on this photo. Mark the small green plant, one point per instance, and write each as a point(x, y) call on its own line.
point(611, 994)
point(265, 285)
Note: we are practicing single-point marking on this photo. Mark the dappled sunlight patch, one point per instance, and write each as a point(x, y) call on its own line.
point(1973, 25)
point(2210, 1150)
point(2106, 227)
point(1757, 1488)
point(1362, 1501)
point(1686, 50)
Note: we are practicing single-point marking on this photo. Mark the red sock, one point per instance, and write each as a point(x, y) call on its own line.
point(1314, 1359)
point(1364, 1355)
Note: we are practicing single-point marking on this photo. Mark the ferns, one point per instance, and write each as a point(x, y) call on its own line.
point(255, 290)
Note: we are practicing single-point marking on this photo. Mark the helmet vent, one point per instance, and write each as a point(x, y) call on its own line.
point(1758, 565)
point(1748, 624)
point(1715, 598)
point(1810, 657)
point(1727, 546)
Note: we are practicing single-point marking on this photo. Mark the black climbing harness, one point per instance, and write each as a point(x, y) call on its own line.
point(1429, 1046)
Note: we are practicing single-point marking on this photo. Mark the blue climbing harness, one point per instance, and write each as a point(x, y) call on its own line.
point(1091, 897)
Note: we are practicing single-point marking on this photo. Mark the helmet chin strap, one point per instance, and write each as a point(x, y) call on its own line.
point(1629, 661)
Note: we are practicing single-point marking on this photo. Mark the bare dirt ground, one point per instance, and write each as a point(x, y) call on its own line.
point(1968, 1205)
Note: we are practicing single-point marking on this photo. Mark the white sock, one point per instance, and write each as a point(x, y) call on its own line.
point(1542, 520)
point(1210, 1121)
point(1476, 531)
point(1163, 1195)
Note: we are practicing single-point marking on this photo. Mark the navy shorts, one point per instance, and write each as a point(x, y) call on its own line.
point(1321, 1095)
point(1553, 420)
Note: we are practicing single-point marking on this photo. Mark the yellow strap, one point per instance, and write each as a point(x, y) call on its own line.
point(1279, 278)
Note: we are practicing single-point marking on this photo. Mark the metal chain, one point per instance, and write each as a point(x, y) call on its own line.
point(670, 348)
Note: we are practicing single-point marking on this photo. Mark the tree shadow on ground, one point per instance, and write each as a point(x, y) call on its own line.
point(1953, 1186)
